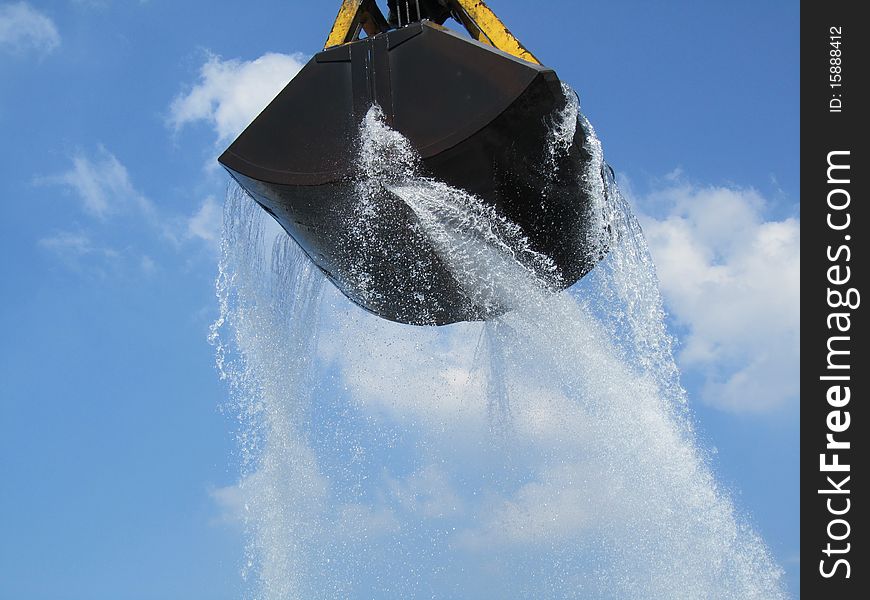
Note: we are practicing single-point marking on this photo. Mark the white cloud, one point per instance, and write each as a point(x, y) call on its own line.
point(74, 244)
point(230, 93)
point(732, 279)
point(92, 3)
point(230, 502)
point(149, 266)
point(102, 3)
point(205, 224)
point(78, 251)
point(105, 190)
point(81, 252)
point(25, 29)
point(427, 493)
point(102, 184)
point(360, 520)
point(419, 375)
point(552, 509)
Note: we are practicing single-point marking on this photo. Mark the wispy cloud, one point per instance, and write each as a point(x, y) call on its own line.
point(230, 93)
point(74, 244)
point(23, 29)
point(731, 278)
point(427, 493)
point(92, 3)
point(230, 502)
point(205, 224)
point(420, 375)
point(82, 252)
point(106, 193)
point(102, 184)
point(99, 3)
point(147, 264)
point(79, 252)
point(549, 509)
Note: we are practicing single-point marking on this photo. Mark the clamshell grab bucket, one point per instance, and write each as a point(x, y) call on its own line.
point(480, 119)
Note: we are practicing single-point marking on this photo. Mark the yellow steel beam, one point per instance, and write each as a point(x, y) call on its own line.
point(488, 24)
point(346, 23)
point(471, 27)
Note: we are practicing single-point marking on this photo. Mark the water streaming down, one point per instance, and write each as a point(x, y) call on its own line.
point(547, 453)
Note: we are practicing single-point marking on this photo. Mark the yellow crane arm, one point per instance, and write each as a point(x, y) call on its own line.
point(353, 17)
point(479, 20)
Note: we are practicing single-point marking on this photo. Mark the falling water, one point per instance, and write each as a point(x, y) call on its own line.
point(547, 453)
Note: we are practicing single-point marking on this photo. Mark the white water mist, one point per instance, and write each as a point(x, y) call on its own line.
point(547, 453)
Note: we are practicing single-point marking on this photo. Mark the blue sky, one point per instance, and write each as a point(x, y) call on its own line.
point(112, 113)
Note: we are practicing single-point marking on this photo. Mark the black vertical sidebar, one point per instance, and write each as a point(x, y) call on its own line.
point(835, 368)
